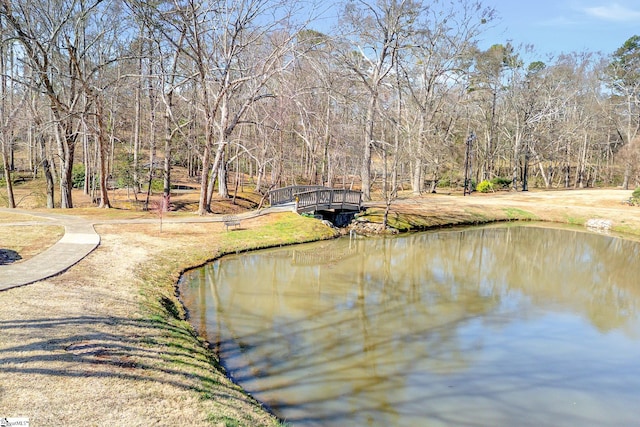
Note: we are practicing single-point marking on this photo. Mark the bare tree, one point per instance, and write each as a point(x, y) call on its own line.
point(5, 117)
point(234, 51)
point(624, 80)
point(435, 67)
point(374, 29)
point(488, 82)
point(42, 28)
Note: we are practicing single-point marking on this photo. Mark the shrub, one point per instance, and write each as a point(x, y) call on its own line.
point(444, 182)
point(77, 175)
point(157, 185)
point(635, 197)
point(484, 186)
point(500, 182)
point(123, 171)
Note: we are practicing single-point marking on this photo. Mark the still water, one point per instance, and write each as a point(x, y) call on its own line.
point(498, 326)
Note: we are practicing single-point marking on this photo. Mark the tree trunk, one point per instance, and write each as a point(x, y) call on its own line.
point(86, 159)
point(203, 206)
point(547, 182)
point(525, 172)
point(416, 181)
point(327, 140)
point(260, 174)
point(580, 173)
point(7, 176)
point(66, 140)
point(488, 168)
point(219, 160)
point(435, 177)
point(103, 150)
point(627, 177)
point(4, 127)
point(153, 101)
point(215, 169)
point(167, 155)
point(66, 181)
point(167, 174)
point(516, 160)
point(545, 177)
point(235, 190)
point(46, 167)
point(365, 170)
point(223, 185)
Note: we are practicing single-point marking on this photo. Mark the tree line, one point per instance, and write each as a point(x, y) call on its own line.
point(394, 95)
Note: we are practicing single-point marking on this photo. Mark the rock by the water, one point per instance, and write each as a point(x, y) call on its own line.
point(599, 224)
point(371, 228)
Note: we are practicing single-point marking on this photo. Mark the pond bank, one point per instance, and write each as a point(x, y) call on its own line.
point(106, 343)
point(576, 207)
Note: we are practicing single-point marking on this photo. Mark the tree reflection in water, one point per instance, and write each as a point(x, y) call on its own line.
point(490, 326)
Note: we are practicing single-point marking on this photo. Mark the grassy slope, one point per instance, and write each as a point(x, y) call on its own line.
point(161, 304)
point(109, 345)
point(436, 212)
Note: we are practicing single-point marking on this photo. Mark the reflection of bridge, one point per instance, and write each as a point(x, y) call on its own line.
point(315, 257)
point(320, 254)
point(332, 203)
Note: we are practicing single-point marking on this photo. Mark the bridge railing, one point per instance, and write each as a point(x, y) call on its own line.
point(314, 197)
point(329, 198)
point(287, 194)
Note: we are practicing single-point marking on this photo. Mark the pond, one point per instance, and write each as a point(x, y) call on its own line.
point(503, 325)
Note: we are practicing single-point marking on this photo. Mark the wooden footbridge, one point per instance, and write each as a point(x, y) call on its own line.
point(328, 202)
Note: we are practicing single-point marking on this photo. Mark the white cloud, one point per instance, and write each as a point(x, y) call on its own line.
point(613, 12)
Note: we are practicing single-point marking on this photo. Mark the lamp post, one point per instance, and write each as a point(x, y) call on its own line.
point(467, 164)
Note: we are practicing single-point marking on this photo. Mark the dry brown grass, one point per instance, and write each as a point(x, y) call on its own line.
point(12, 217)
point(105, 343)
point(28, 240)
point(567, 207)
point(31, 194)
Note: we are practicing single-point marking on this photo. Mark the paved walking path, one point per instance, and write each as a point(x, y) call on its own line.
point(79, 240)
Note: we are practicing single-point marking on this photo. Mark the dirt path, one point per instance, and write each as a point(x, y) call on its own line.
point(79, 240)
point(93, 347)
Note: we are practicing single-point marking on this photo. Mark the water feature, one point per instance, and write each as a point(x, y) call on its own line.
point(508, 325)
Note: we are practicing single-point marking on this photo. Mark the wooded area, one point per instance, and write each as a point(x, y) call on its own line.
point(103, 93)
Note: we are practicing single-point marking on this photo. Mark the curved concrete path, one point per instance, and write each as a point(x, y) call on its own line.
point(79, 240)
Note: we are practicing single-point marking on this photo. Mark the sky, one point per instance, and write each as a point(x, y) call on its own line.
point(563, 26)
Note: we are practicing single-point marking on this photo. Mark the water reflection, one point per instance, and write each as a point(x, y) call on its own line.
point(491, 326)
